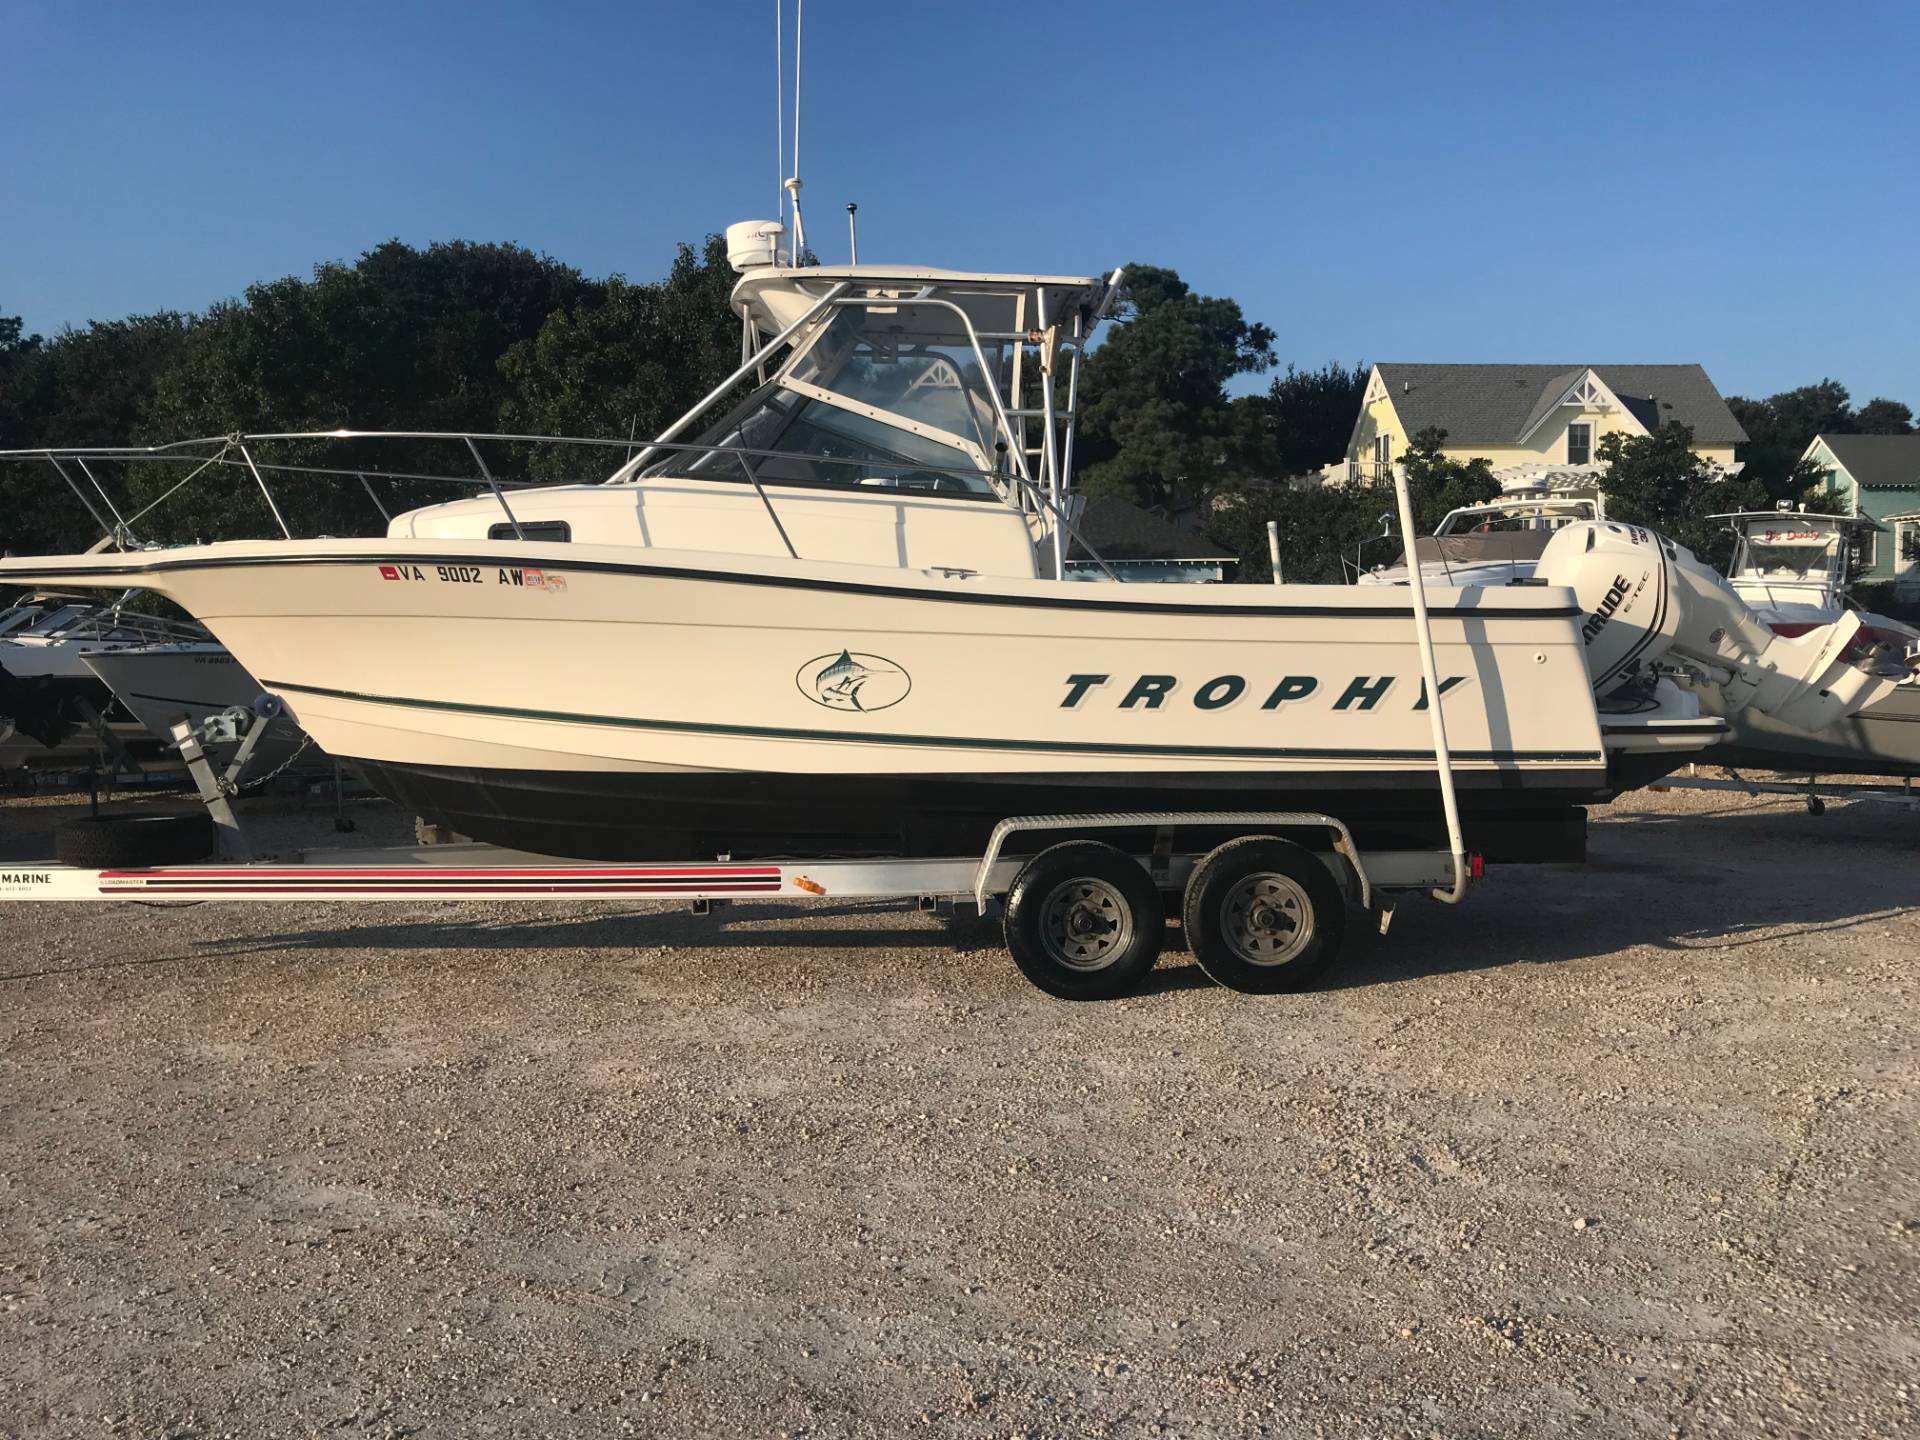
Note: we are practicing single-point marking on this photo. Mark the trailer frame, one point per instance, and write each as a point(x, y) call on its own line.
point(469, 871)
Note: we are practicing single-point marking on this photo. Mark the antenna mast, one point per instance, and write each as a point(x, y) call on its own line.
point(779, 109)
point(793, 181)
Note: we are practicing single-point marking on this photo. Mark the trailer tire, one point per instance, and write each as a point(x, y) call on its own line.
point(1263, 916)
point(114, 842)
point(1084, 921)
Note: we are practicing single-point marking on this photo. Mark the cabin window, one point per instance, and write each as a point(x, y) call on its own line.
point(533, 530)
point(1579, 444)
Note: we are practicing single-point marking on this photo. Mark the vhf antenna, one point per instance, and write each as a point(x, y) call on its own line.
point(792, 186)
point(779, 110)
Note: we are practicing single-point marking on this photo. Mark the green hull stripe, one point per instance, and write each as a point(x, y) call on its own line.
point(942, 742)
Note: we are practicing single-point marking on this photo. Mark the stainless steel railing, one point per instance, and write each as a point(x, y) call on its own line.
point(218, 453)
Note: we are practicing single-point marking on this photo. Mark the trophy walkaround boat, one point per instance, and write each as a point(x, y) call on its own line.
point(830, 629)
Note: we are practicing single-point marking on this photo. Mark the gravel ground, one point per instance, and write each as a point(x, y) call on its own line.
point(1623, 1150)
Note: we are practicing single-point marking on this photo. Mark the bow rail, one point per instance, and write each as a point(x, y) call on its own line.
point(236, 452)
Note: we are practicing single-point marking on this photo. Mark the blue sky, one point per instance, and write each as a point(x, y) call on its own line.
point(1733, 183)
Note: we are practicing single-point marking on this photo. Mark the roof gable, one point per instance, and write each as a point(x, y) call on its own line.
point(1499, 404)
point(1876, 462)
point(1559, 391)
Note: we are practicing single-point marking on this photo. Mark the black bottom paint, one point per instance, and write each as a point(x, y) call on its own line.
point(590, 815)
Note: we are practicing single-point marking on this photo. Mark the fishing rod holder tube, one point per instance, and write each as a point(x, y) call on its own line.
point(1430, 679)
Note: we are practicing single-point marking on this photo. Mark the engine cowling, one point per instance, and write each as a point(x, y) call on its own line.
point(1647, 598)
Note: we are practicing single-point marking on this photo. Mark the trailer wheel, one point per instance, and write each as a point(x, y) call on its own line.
point(1084, 921)
point(114, 842)
point(1263, 916)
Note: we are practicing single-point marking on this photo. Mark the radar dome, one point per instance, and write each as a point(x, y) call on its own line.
point(752, 244)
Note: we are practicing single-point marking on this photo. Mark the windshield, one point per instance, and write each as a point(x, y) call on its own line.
point(1801, 561)
point(896, 360)
point(815, 443)
point(19, 618)
point(52, 622)
point(1501, 522)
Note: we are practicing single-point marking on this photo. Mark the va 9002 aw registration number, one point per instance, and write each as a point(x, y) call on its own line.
point(526, 577)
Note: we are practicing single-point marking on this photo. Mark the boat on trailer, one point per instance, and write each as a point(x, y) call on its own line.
point(825, 619)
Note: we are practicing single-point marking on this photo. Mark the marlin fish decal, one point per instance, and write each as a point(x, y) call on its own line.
point(853, 681)
point(840, 682)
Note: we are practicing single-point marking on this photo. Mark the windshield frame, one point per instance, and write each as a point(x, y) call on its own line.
point(1829, 557)
point(721, 438)
point(854, 322)
point(693, 459)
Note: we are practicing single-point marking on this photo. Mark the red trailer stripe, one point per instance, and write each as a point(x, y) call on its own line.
point(705, 872)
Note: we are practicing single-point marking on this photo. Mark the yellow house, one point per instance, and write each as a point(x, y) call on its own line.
point(1540, 425)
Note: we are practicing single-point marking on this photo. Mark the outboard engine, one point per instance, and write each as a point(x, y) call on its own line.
point(1647, 598)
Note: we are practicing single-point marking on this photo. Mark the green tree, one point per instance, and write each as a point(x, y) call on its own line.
point(1327, 533)
point(1324, 530)
point(1656, 480)
point(627, 359)
point(13, 337)
point(1157, 425)
point(1437, 483)
point(89, 386)
point(402, 339)
point(1306, 416)
point(1781, 427)
point(1884, 417)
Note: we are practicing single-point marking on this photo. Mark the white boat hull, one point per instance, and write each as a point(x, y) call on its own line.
point(682, 680)
point(1883, 739)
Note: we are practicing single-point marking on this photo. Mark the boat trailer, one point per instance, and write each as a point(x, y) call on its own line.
point(1814, 790)
point(1263, 909)
point(1084, 919)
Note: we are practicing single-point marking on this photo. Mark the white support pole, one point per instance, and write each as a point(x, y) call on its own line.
point(1273, 549)
point(1442, 756)
point(1050, 459)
